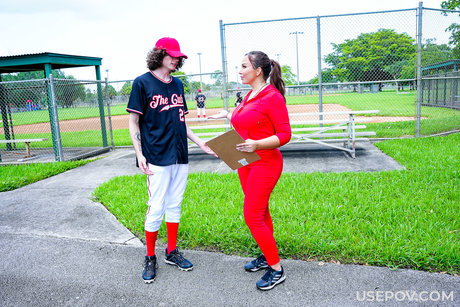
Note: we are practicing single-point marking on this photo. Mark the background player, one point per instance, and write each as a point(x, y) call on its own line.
point(159, 134)
point(239, 98)
point(200, 104)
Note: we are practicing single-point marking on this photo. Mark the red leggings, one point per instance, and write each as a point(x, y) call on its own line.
point(258, 180)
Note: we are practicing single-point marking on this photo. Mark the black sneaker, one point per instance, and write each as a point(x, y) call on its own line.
point(175, 257)
point(271, 279)
point(150, 266)
point(257, 264)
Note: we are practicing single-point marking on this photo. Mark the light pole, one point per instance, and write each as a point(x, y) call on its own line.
point(107, 84)
point(278, 56)
point(199, 59)
point(108, 106)
point(236, 70)
point(297, 52)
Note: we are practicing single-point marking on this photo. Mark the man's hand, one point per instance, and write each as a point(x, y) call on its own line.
point(143, 165)
point(206, 149)
point(221, 114)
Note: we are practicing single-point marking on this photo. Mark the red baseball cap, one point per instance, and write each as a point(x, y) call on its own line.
point(199, 90)
point(171, 45)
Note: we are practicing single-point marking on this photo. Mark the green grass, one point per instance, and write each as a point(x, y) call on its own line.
point(16, 176)
point(399, 219)
point(211, 103)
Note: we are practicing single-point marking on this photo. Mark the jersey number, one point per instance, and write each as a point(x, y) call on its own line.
point(181, 115)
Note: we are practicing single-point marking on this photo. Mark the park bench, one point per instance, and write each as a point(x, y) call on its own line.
point(339, 131)
point(25, 141)
point(207, 126)
point(328, 135)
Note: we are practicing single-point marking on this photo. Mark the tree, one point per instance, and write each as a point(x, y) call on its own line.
point(454, 28)
point(431, 53)
point(195, 85)
point(450, 4)
point(218, 76)
point(367, 57)
point(327, 76)
point(68, 90)
point(27, 75)
point(184, 79)
point(90, 95)
point(126, 88)
point(288, 75)
point(110, 91)
point(434, 53)
point(396, 68)
point(18, 95)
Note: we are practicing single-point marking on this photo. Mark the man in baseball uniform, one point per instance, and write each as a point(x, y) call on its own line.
point(200, 99)
point(157, 110)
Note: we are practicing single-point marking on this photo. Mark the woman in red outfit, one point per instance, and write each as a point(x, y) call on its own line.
point(263, 121)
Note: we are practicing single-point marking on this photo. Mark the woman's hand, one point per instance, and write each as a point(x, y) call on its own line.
point(221, 114)
point(248, 146)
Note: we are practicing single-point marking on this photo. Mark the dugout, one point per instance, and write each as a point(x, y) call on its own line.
point(46, 62)
point(440, 85)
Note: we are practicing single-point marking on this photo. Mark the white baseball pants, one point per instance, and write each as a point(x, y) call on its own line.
point(201, 111)
point(166, 190)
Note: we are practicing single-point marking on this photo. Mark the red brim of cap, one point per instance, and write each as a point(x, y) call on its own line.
point(176, 54)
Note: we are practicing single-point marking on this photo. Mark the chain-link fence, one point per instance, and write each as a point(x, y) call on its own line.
point(51, 120)
point(403, 63)
point(64, 119)
point(208, 84)
point(366, 61)
point(17, 101)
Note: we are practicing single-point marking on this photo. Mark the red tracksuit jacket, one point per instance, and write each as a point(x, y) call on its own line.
point(263, 116)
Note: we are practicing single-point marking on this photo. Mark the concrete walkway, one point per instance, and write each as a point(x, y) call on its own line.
point(59, 248)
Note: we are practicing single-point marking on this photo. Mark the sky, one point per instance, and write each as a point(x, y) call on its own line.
point(122, 32)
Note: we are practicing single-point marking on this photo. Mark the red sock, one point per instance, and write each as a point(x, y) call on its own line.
point(198, 116)
point(172, 235)
point(150, 240)
point(204, 115)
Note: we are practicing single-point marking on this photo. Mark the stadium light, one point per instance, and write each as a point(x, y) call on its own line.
point(297, 52)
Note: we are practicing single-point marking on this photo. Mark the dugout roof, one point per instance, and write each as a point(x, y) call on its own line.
point(442, 66)
point(45, 61)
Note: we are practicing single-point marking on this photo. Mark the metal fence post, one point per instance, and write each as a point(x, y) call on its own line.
point(101, 107)
point(51, 110)
point(108, 110)
point(224, 64)
point(320, 82)
point(4, 110)
point(55, 121)
point(419, 65)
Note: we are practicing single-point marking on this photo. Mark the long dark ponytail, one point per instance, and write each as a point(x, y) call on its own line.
point(270, 68)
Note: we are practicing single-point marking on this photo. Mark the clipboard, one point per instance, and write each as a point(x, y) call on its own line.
point(224, 146)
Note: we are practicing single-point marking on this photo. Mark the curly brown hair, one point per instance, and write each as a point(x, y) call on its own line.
point(155, 59)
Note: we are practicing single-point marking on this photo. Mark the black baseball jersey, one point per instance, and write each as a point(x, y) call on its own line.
point(162, 109)
point(200, 99)
point(239, 99)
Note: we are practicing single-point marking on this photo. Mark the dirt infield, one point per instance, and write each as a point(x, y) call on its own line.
point(121, 121)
